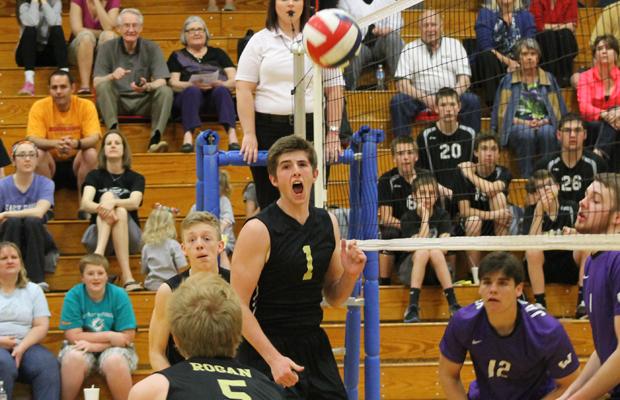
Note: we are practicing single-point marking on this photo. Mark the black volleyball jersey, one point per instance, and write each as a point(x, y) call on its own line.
point(288, 296)
point(441, 153)
point(574, 181)
point(217, 379)
point(172, 354)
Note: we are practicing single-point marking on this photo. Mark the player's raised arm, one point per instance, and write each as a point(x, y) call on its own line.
point(450, 379)
point(251, 253)
point(345, 266)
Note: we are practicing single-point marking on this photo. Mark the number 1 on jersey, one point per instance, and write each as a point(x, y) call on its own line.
point(308, 252)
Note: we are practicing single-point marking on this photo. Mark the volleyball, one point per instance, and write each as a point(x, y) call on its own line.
point(331, 37)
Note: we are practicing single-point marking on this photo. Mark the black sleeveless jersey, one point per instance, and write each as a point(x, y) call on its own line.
point(217, 379)
point(172, 354)
point(288, 296)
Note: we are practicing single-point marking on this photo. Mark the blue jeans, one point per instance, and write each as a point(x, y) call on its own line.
point(38, 367)
point(527, 143)
point(404, 108)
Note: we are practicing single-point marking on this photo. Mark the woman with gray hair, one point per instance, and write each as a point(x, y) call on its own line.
point(202, 78)
point(528, 106)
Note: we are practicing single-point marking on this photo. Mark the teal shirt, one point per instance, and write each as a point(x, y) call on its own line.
point(113, 313)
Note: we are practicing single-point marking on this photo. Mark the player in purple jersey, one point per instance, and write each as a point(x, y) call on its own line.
point(519, 351)
point(599, 212)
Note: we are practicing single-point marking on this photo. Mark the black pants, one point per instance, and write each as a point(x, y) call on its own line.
point(559, 49)
point(270, 128)
point(30, 55)
point(34, 241)
point(604, 137)
point(488, 71)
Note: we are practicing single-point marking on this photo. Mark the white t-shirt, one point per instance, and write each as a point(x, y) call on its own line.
point(430, 72)
point(268, 62)
point(18, 309)
point(359, 8)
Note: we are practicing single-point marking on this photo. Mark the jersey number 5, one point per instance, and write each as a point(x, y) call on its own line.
point(308, 252)
point(227, 386)
point(499, 369)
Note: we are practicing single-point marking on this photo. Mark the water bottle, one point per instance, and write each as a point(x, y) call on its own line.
point(3, 395)
point(380, 75)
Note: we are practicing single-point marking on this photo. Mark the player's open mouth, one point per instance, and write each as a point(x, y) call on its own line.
point(298, 187)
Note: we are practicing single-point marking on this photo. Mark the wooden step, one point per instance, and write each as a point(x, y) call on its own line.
point(393, 300)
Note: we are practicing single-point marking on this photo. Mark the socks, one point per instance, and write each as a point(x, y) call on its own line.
point(450, 296)
point(385, 281)
point(29, 76)
point(540, 299)
point(580, 295)
point(414, 296)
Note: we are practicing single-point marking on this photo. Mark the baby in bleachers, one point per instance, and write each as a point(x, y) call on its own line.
point(162, 256)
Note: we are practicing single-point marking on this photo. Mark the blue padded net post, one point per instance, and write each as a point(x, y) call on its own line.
point(370, 227)
point(207, 169)
point(353, 321)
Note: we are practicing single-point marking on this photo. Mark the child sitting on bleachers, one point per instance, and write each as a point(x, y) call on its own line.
point(227, 219)
point(428, 220)
point(100, 327)
point(162, 256)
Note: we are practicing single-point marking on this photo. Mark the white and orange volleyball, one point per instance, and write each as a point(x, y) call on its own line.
point(331, 38)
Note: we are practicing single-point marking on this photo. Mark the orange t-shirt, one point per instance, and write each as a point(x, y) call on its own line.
point(46, 121)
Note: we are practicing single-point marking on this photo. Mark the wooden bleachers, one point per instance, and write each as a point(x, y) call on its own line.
point(409, 352)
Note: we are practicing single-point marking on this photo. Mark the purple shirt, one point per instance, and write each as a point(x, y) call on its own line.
point(521, 365)
point(87, 20)
point(11, 199)
point(601, 292)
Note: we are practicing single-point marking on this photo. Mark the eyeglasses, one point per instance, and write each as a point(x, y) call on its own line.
point(569, 130)
point(195, 30)
point(26, 155)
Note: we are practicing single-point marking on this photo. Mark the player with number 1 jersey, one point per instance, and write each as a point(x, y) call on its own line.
point(519, 352)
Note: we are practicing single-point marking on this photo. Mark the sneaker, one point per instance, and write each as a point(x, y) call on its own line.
point(412, 314)
point(27, 89)
point(234, 147)
point(540, 306)
point(212, 8)
point(454, 308)
point(229, 7)
point(159, 147)
point(44, 286)
point(581, 313)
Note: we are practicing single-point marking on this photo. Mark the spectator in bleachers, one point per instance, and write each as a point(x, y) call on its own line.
point(162, 256)
point(445, 145)
point(264, 85)
point(202, 78)
point(24, 323)
point(396, 198)
point(551, 216)
point(381, 44)
point(130, 78)
point(482, 194)
point(100, 327)
point(497, 33)
point(556, 22)
point(202, 244)
point(428, 220)
point(573, 167)
point(427, 65)
point(92, 24)
point(112, 194)
point(598, 93)
point(41, 40)
point(528, 106)
point(5, 160)
point(227, 219)
point(66, 130)
point(25, 200)
point(250, 201)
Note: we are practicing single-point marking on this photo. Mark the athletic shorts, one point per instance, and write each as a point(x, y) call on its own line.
point(97, 359)
point(560, 267)
point(64, 176)
point(320, 380)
